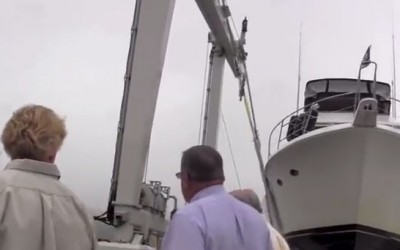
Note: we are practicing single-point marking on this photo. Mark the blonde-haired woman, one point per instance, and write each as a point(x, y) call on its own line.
point(37, 212)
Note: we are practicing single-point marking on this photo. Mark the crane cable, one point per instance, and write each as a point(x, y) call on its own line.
point(230, 149)
point(249, 106)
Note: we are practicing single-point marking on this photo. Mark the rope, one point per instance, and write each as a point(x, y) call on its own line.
point(225, 3)
point(246, 105)
point(230, 150)
point(271, 202)
point(251, 100)
point(234, 26)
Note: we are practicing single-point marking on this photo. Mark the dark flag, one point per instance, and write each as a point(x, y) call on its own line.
point(366, 59)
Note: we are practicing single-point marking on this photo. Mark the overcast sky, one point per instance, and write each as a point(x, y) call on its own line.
point(71, 55)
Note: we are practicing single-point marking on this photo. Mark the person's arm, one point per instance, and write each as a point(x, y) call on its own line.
point(89, 223)
point(92, 235)
point(92, 231)
point(3, 222)
point(183, 234)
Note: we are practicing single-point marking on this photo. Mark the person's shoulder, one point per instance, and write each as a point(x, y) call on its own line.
point(33, 182)
point(188, 210)
point(8, 179)
point(192, 212)
point(66, 191)
point(240, 205)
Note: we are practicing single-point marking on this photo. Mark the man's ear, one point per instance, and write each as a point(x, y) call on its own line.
point(185, 179)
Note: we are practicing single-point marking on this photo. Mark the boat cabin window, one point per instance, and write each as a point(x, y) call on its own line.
point(323, 91)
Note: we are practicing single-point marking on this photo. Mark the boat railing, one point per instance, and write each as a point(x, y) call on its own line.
point(283, 124)
point(308, 114)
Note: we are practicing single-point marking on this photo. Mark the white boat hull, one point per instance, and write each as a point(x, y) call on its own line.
point(338, 176)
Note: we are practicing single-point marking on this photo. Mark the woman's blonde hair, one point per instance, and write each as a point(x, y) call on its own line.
point(32, 132)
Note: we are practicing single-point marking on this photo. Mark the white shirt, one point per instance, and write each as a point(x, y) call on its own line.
point(278, 242)
point(214, 220)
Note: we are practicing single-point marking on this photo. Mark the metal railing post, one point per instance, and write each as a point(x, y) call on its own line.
point(280, 135)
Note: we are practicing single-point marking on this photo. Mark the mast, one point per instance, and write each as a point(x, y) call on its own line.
point(299, 68)
point(394, 92)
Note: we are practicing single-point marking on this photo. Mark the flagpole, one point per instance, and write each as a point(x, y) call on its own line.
point(364, 63)
point(357, 95)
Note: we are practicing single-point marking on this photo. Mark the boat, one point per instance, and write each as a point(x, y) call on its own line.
point(333, 167)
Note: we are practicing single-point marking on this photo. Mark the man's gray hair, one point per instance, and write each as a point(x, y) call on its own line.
point(203, 163)
point(249, 197)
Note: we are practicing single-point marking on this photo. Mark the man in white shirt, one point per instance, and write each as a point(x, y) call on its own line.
point(213, 219)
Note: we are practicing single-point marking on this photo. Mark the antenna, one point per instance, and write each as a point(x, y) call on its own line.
point(394, 92)
point(299, 69)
